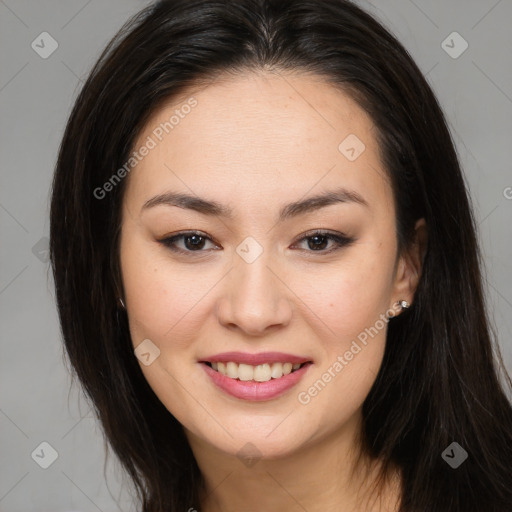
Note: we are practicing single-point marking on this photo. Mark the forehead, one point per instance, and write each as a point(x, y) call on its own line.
point(266, 134)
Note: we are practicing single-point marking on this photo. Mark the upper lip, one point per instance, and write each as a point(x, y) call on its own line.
point(255, 359)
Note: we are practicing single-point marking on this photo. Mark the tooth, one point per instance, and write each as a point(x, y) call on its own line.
point(232, 370)
point(276, 370)
point(245, 372)
point(262, 373)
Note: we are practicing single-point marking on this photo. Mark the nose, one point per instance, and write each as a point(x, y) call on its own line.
point(255, 298)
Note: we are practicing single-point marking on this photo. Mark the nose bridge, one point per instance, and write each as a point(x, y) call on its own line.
point(256, 299)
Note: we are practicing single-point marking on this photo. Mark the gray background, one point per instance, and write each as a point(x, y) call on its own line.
point(36, 402)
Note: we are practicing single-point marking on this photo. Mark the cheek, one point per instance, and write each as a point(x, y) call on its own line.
point(351, 296)
point(162, 297)
point(353, 348)
point(354, 311)
point(352, 301)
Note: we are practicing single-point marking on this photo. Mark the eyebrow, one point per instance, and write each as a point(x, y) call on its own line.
point(294, 209)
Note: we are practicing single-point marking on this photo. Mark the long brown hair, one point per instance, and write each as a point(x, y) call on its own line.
point(439, 382)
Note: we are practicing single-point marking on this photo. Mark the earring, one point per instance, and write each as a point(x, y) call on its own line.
point(403, 304)
point(122, 303)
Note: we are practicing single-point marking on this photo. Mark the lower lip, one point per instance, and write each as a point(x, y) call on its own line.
point(256, 391)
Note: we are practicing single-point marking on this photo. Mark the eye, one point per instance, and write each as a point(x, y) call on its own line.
point(194, 241)
point(318, 240)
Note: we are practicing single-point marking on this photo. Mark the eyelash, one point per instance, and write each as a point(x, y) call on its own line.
point(339, 240)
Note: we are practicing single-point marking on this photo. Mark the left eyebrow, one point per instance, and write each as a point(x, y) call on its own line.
point(340, 195)
point(294, 209)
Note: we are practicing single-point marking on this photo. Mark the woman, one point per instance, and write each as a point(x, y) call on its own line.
point(267, 271)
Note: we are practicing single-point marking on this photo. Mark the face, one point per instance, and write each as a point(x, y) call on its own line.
point(251, 265)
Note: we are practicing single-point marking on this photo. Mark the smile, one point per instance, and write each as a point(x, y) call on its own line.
point(259, 373)
point(267, 388)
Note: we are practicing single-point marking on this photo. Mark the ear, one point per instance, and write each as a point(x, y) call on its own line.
point(410, 265)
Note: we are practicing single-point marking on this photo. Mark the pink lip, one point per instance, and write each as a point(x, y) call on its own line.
point(255, 359)
point(255, 391)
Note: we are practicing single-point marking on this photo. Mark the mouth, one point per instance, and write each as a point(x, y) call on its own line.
point(255, 383)
point(255, 373)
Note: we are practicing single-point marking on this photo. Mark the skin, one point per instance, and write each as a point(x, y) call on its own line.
point(255, 142)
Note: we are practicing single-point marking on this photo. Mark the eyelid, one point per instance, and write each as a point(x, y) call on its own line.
point(322, 232)
point(340, 240)
point(168, 241)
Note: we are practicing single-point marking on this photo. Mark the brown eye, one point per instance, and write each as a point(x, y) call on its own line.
point(316, 242)
point(192, 242)
point(319, 240)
